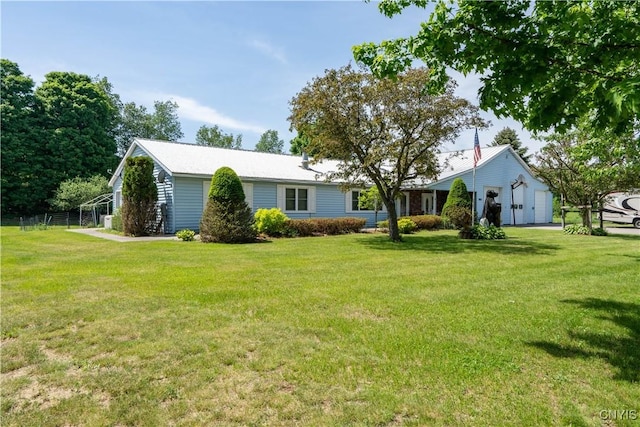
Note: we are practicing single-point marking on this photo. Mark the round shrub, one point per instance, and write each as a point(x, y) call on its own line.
point(459, 217)
point(186, 235)
point(226, 186)
point(406, 226)
point(272, 222)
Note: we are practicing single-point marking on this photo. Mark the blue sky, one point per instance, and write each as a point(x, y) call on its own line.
point(232, 64)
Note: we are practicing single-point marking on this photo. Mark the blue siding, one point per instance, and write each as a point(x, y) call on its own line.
point(501, 172)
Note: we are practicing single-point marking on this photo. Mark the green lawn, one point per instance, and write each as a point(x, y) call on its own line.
point(539, 329)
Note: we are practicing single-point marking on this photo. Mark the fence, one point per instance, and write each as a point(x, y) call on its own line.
point(64, 219)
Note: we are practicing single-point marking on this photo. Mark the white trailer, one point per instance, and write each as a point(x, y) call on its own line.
point(622, 207)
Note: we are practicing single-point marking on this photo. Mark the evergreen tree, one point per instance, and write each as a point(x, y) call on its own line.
point(457, 208)
point(139, 196)
point(227, 217)
point(509, 136)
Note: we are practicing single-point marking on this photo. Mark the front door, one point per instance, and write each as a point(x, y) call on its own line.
point(402, 204)
point(517, 209)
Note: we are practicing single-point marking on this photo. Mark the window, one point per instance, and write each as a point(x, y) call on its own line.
point(296, 199)
point(353, 202)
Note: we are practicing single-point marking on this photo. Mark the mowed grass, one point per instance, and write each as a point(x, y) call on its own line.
point(538, 329)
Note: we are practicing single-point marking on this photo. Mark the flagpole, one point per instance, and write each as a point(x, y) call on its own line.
point(477, 155)
point(473, 202)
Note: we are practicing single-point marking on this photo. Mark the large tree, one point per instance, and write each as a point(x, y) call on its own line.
point(508, 136)
point(270, 143)
point(215, 137)
point(78, 117)
point(24, 159)
point(546, 63)
point(135, 122)
point(385, 132)
point(576, 166)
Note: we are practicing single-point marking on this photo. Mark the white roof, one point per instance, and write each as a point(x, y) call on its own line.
point(198, 160)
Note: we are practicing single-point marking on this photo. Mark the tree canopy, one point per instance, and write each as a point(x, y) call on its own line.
point(546, 63)
point(215, 137)
point(576, 166)
point(385, 132)
point(135, 122)
point(270, 143)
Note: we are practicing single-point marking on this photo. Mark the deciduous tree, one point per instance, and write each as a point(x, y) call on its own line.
point(576, 166)
point(24, 182)
point(385, 132)
point(270, 143)
point(77, 117)
point(135, 122)
point(73, 192)
point(214, 137)
point(546, 63)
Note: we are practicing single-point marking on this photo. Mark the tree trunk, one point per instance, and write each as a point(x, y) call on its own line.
point(394, 232)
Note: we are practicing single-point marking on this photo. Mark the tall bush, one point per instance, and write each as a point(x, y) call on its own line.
point(458, 202)
point(139, 196)
point(227, 217)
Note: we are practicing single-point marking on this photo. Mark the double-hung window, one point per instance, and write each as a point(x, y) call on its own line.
point(296, 199)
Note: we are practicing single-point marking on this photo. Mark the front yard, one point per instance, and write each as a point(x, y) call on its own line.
point(538, 329)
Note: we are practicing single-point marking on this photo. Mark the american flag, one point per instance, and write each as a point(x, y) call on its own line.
point(477, 155)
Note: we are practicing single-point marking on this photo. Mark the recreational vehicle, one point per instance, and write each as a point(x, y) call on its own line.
point(622, 207)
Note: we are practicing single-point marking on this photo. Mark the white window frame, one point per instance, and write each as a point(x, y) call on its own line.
point(247, 187)
point(349, 202)
point(311, 198)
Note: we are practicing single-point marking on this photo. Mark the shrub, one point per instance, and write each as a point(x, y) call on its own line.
point(116, 221)
point(427, 222)
point(186, 235)
point(459, 217)
point(422, 222)
point(584, 230)
point(324, 226)
point(271, 222)
point(139, 196)
point(227, 218)
point(576, 229)
point(406, 226)
point(491, 232)
point(458, 197)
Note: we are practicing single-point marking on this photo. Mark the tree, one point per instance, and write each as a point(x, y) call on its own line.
point(215, 137)
point(575, 166)
point(139, 196)
point(135, 122)
point(24, 184)
point(546, 63)
point(270, 143)
point(77, 117)
point(76, 191)
point(299, 144)
point(370, 199)
point(227, 217)
point(510, 137)
point(385, 132)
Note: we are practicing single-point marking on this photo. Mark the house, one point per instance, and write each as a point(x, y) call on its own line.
point(524, 198)
point(183, 175)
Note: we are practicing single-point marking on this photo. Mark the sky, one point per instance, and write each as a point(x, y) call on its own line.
point(234, 64)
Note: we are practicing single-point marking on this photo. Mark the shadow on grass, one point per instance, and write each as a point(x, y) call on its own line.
point(447, 243)
point(621, 352)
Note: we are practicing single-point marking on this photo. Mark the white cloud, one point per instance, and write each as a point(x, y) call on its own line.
point(191, 109)
point(269, 50)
